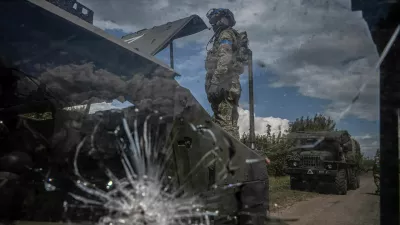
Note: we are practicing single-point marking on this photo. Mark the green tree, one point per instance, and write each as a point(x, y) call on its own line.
point(275, 146)
point(318, 123)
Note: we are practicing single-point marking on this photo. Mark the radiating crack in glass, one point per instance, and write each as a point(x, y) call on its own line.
point(377, 66)
point(224, 171)
point(141, 197)
point(364, 84)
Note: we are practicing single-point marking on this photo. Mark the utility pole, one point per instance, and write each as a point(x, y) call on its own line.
point(251, 101)
point(171, 54)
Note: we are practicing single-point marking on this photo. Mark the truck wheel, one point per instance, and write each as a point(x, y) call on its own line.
point(295, 184)
point(341, 182)
point(352, 180)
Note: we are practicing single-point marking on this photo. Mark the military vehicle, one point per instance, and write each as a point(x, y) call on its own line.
point(54, 60)
point(331, 158)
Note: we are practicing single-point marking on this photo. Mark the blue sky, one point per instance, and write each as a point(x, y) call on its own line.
point(316, 57)
point(284, 102)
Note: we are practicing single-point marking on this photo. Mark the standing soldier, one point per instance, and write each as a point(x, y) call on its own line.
point(223, 70)
point(376, 171)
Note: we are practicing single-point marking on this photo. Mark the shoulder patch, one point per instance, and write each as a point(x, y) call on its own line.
point(226, 42)
point(227, 36)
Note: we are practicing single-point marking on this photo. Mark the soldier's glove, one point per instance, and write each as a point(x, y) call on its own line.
point(214, 92)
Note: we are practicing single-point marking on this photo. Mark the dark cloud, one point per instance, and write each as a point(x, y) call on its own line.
point(305, 43)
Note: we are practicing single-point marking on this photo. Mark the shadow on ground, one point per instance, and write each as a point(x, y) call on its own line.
point(370, 193)
point(279, 221)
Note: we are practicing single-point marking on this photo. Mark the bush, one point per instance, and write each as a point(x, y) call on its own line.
point(274, 147)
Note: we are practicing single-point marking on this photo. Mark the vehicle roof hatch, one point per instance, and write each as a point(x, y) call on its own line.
point(154, 40)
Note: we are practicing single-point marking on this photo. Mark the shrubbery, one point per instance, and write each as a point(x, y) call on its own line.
point(274, 147)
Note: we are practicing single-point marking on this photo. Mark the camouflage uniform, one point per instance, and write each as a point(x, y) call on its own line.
point(376, 171)
point(223, 70)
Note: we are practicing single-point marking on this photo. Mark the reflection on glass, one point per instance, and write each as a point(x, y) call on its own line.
point(126, 143)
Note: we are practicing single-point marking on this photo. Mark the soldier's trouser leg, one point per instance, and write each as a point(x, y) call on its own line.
point(377, 182)
point(226, 114)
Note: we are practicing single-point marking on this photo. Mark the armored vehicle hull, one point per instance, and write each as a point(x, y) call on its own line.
point(324, 158)
point(52, 60)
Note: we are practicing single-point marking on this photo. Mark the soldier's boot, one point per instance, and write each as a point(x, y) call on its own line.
point(234, 131)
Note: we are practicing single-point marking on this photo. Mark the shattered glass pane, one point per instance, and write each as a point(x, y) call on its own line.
point(122, 113)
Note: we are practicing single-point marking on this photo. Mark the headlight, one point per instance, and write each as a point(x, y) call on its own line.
point(294, 164)
point(329, 166)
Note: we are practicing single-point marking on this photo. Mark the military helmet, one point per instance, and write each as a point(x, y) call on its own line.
point(214, 16)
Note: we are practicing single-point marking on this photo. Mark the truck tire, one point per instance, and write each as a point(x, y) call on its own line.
point(295, 184)
point(352, 180)
point(341, 182)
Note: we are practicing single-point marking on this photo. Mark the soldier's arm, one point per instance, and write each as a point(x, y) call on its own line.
point(224, 54)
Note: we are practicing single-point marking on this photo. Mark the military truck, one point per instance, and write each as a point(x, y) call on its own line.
point(53, 59)
point(326, 157)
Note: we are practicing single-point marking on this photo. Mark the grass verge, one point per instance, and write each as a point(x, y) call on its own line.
point(281, 196)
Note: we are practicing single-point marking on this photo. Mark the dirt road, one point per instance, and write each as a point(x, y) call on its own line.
point(358, 207)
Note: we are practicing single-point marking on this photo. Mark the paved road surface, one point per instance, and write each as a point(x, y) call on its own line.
point(358, 207)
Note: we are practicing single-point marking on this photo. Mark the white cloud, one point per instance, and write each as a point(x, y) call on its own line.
point(260, 123)
point(319, 46)
point(109, 25)
point(192, 67)
point(369, 144)
point(364, 137)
